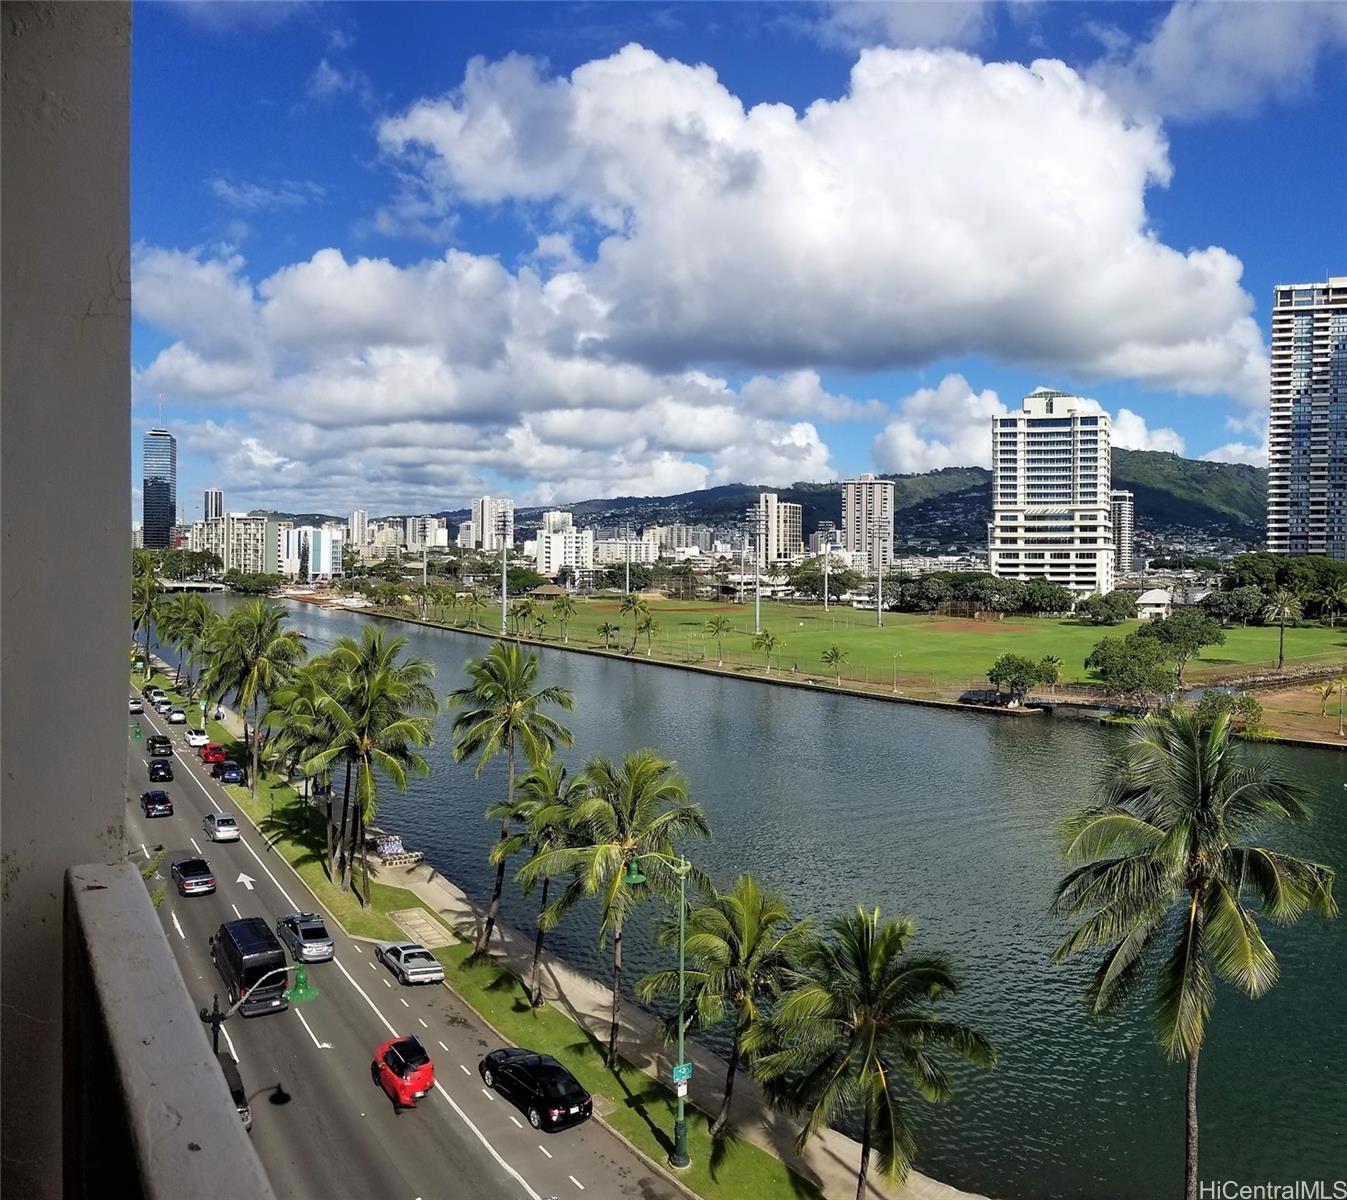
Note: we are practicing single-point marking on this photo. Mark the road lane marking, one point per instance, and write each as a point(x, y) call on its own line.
point(145, 852)
point(487, 1094)
point(178, 927)
point(358, 948)
point(439, 1087)
point(575, 1181)
point(446, 1050)
point(365, 996)
point(461, 1067)
point(234, 1054)
point(515, 1119)
point(195, 846)
point(238, 914)
point(316, 1042)
point(545, 1150)
point(404, 1003)
point(387, 984)
point(372, 967)
point(423, 1023)
point(247, 881)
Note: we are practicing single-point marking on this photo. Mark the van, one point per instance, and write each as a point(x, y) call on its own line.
point(245, 952)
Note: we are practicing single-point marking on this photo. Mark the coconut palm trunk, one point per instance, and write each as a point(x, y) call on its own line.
point(865, 1152)
point(340, 863)
point(617, 994)
point(1190, 1129)
point(535, 976)
point(1281, 644)
point(493, 911)
point(723, 1116)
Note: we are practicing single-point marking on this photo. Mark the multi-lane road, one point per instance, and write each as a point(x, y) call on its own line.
point(321, 1125)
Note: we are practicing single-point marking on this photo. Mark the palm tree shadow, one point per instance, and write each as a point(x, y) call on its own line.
point(300, 825)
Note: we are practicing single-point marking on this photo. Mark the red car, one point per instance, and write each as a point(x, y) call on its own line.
point(403, 1069)
point(212, 752)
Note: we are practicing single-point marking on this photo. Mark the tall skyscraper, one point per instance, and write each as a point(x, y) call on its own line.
point(1052, 517)
point(867, 519)
point(159, 491)
point(214, 505)
point(357, 529)
point(780, 528)
point(1124, 516)
point(1307, 420)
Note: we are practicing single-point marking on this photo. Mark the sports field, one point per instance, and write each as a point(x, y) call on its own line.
point(928, 654)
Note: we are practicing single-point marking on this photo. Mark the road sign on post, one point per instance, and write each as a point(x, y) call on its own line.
point(682, 1072)
point(680, 1089)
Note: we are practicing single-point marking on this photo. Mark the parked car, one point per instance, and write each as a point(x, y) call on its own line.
point(147, 687)
point(306, 937)
point(234, 1081)
point(158, 746)
point(410, 962)
point(177, 717)
point(197, 738)
point(163, 705)
point(212, 752)
point(192, 874)
point(156, 803)
point(542, 1088)
point(221, 827)
point(155, 692)
point(161, 770)
point(403, 1069)
point(227, 772)
point(135, 706)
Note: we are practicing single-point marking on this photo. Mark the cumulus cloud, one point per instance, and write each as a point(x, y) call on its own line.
point(875, 230)
point(1238, 452)
point(1131, 432)
point(1205, 59)
point(853, 24)
point(948, 425)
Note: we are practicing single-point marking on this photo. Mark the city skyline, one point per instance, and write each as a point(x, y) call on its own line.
point(407, 307)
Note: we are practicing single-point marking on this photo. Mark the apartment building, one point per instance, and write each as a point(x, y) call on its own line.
point(779, 528)
point(867, 520)
point(1123, 508)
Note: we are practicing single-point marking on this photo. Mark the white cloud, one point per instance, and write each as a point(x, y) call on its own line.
point(257, 197)
point(1131, 433)
point(948, 425)
point(327, 81)
point(854, 24)
point(1238, 452)
point(941, 207)
point(801, 393)
point(1206, 59)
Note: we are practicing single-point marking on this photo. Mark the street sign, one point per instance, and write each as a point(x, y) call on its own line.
point(682, 1072)
point(680, 1089)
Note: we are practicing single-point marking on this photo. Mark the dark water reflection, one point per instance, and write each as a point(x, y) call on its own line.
point(949, 818)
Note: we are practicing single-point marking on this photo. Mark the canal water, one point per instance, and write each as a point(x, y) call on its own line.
point(949, 818)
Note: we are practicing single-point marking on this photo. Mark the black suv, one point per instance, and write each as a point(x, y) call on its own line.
point(159, 746)
point(156, 804)
point(161, 770)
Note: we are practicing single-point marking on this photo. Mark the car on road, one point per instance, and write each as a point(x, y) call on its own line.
point(239, 1094)
point(212, 752)
point(192, 874)
point(158, 746)
point(410, 962)
point(161, 770)
point(403, 1069)
point(306, 937)
point(227, 772)
point(156, 803)
point(543, 1089)
point(154, 692)
point(147, 687)
point(196, 738)
point(135, 705)
point(221, 827)
point(177, 717)
point(162, 705)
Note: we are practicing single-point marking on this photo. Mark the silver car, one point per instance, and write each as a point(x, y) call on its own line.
point(221, 827)
point(410, 962)
point(306, 936)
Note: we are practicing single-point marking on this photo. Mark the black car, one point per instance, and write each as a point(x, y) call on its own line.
point(541, 1087)
point(161, 770)
point(156, 803)
point(158, 746)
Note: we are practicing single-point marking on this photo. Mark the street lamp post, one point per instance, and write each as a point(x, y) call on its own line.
point(896, 656)
point(298, 993)
point(502, 526)
point(827, 558)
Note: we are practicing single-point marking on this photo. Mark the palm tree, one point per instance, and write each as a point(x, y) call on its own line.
point(539, 624)
point(1325, 693)
point(1341, 684)
point(521, 614)
point(633, 814)
point(608, 631)
point(650, 629)
point(637, 607)
point(1283, 606)
point(251, 655)
point(474, 602)
point(144, 608)
point(741, 945)
point(1335, 600)
point(173, 629)
point(199, 622)
point(563, 609)
point(1163, 855)
point(862, 1020)
point(302, 729)
point(768, 643)
point(717, 627)
point(500, 712)
point(377, 706)
point(546, 811)
point(1051, 665)
point(835, 657)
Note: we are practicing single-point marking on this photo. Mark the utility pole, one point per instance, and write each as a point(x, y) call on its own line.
point(757, 569)
point(827, 560)
point(501, 527)
point(626, 541)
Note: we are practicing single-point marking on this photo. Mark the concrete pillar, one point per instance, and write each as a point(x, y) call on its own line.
point(65, 509)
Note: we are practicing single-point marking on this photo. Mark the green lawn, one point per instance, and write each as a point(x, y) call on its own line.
point(933, 653)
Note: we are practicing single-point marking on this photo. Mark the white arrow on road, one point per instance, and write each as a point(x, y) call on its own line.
point(246, 880)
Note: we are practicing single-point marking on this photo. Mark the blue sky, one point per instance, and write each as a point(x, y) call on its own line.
point(393, 256)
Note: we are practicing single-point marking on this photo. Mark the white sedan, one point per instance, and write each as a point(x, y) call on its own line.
point(177, 717)
point(197, 738)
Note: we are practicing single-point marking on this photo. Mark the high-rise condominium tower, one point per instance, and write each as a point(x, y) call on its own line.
point(1124, 517)
point(780, 528)
point(1307, 420)
point(214, 504)
point(492, 520)
point(867, 519)
point(159, 489)
point(357, 529)
point(1051, 513)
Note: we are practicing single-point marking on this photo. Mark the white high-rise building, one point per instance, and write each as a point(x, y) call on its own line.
point(867, 520)
point(780, 528)
point(1052, 515)
point(1124, 518)
point(213, 507)
point(622, 550)
point(1307, 420)
point(467, 535)
point(242, 542)
point(323, 547)
point(559, 545)
point(492, 520)
point(357, 529)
